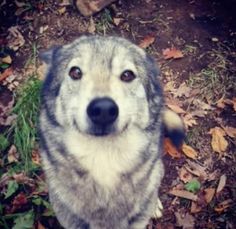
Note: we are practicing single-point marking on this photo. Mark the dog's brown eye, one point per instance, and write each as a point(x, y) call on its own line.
point(127, 76)
point(75, 73)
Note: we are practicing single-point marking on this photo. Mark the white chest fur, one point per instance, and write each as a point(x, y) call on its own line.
point(107, 157)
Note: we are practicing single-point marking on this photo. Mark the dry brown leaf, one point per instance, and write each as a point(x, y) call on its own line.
point(185, 221)
point(36, 157)
point(177, 109)
point(183, 194)
point(183, 90)
point(230, 131)
point(22, 178)
point(195, 208)
point(231, 102)
point(12, 155)
point(171, 149)
point(209, 194)
point(170, 86)
point(5, 74)
point(147, 41)
point(15, 38)
point(189, 120)
point(196, 169)
point(172, 53)
point(223, 205)
point(62, 10)
point(184, 175)
point(189, 151)
point(6, 60)
point(91, 26)
point(218, 142)
point(117, 20)
point(222, 183)
point(222, 102)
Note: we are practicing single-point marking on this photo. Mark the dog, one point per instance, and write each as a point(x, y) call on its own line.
point(101, 127)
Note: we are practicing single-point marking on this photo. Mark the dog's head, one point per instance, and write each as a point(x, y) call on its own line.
point(101, 86)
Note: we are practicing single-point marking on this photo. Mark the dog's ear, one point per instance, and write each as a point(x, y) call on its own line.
point(48, 55)
point(154, 88)
point(173, 127)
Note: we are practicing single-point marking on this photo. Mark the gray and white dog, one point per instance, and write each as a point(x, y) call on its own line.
point(101, 127)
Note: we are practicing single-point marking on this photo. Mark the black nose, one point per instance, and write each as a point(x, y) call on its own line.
point(102, 111)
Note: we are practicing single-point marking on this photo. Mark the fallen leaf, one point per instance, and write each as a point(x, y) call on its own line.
point(6, 101)
point(12, 155)
point(62, 10)
point(223, 205)
point(147, 41)
point(171, 149)
point(36, 157)
point(184, 175)
point(5, 74)
point(117, 20)
point(196, 169)
point(177, 109)
point(22, 178)
point(185, 221)
point(7, 121)
point(222, 102)
point(65, 3)
point(15, 38)
point(12, 187)
point(7, 59)
point(230, 131)
point(189, 151)
point(183, 90)
point(189, 120)
point(91, 26)
point(193, 186)
point(183, 194)
point(170, 87)
point(195, 208)
point(209, 194)
point(172, 53)
point(218, 142)
point(222, 183)
point(19, 201)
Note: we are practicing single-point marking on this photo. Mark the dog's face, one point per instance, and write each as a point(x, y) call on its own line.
point(102, 85)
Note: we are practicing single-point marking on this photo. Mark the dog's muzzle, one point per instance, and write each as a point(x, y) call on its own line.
point(102, 113)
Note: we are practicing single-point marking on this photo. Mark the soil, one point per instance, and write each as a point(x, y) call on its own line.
point(200, 24)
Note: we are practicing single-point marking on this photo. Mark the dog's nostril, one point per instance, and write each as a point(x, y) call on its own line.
point(95, 112)
point(102, 111)
point(113, 111)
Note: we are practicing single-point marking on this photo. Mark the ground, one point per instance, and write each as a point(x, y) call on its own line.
point(198, 190)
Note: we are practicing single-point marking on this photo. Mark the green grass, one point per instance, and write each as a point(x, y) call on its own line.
point(105, 23)
point(217, 79)
point(24, 129)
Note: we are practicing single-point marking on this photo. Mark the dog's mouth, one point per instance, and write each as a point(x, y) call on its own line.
point(101, 130)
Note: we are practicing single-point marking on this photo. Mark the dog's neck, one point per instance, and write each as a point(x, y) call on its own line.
point(106, 158)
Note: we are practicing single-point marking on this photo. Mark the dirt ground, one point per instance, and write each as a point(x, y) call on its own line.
point(205, 32)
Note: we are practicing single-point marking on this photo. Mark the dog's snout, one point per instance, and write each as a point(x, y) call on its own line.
point(102, 111)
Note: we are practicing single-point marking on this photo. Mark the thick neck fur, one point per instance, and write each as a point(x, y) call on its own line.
point(106, 158)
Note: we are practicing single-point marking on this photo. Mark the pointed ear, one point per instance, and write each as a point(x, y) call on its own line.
point(48, 55)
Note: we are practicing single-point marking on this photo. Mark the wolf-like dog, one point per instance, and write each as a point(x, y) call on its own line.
point(101, 126)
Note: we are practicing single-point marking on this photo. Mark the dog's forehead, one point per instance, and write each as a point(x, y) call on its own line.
point(112, 52)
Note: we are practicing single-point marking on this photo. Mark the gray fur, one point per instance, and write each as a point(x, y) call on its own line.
point(116, 185)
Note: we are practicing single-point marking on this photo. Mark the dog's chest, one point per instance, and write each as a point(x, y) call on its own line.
point(107, 158)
